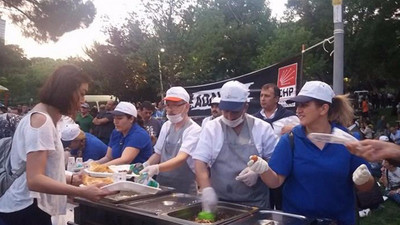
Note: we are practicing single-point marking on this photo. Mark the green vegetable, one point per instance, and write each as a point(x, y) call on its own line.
point(203, 215)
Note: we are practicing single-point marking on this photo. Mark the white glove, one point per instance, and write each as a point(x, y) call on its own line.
point(209, 200)
point(151, 170)
point(248, 177)
point(361, 175)
point(259, 166)
point(145, 164)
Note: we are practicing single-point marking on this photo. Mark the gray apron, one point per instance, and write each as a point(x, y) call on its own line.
point(181, 178)
point(231, 160)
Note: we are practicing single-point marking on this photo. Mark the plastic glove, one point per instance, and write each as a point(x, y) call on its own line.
point(209, 200)
point(151, 170)
point(258, 165)
point(361, 175)
point(248, 177)
point(146, 164)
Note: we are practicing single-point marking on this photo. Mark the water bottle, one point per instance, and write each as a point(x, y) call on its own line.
point(79, 163)
point(146, 180)
point(71, 164)
point(136, 168)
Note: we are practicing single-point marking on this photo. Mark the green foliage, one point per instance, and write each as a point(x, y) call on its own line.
point(388, 215)
point(210, 40)
point(46, 20)
point(24, 77)
point(372, 46)
point(224, 39)
point(285, 42)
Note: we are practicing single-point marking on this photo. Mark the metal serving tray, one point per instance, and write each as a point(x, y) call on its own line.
point(125, 196)
point(226, 213)
point(272, 217)
point(162, 204)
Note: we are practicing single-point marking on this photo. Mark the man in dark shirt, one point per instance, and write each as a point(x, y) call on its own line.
point(103, 123)
point(151, 124)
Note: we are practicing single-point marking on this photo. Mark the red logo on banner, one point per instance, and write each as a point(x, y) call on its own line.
point(287, 75)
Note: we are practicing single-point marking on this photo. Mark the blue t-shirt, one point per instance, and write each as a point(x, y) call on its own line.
point(318, 182)
point(137, 138)
point(94, 148)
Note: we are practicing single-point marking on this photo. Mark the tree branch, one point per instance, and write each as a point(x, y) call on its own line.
point(9, 4)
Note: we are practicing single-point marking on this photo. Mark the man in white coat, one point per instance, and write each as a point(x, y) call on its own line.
point(225, 145)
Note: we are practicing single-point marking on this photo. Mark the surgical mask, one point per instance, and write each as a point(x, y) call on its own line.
point(175, 118)
point(232, 123)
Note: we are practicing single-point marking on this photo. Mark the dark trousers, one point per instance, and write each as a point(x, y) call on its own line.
point(31, 215)
point(275, 198)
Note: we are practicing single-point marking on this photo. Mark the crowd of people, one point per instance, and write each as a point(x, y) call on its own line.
point(264, 160)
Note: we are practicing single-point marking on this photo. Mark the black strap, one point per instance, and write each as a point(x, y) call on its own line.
point(291, 141)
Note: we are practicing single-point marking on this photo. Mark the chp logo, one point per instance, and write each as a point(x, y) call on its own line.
point(287, 81)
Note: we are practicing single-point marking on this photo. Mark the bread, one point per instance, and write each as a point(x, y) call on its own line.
point(96, 167)
point(88, 180)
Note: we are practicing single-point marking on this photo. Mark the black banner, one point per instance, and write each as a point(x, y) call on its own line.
point(285, 74)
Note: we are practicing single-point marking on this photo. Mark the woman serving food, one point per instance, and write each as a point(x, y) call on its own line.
point(318, 178)
point(129, 142)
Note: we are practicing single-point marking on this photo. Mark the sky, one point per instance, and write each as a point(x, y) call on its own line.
point(72, 44)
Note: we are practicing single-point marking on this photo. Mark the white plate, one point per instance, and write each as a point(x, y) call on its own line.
point(131, 186)
point(117, 168)
point(98, 174)
point(113, 168)
point(337, 137)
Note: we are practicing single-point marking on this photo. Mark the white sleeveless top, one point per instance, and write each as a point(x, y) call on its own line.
point(28, 139)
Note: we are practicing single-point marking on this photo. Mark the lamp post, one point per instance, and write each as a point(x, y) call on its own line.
point(338, 47)
point(160, 71)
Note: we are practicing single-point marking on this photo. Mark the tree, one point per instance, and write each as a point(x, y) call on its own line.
point(204, 41)
point(224, 39)
point(45, 20)
point(372, 49)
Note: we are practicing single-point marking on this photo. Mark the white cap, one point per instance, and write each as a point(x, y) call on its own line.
point(233, 96)
point(70, 132)
point(383, 138)
point(177, 94)
point(85, 105)
point(125, 108)
point(215, 100)
point(314, 90)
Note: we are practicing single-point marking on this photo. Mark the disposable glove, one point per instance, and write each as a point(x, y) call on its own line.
point(361, 175)
point(209, 200)
point(151, 170)
point(248, 177)
point(258, 165)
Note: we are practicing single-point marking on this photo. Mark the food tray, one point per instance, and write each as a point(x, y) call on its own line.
point(162, 204)
point(131, 186)
point(105, 174)
point(124, 196)
point(226, 213)
point(274, 217)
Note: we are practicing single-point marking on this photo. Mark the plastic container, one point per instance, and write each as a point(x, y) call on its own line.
point(71, 164)
point(131, 186)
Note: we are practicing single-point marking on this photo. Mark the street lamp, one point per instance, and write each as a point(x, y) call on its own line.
point(159, 70)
